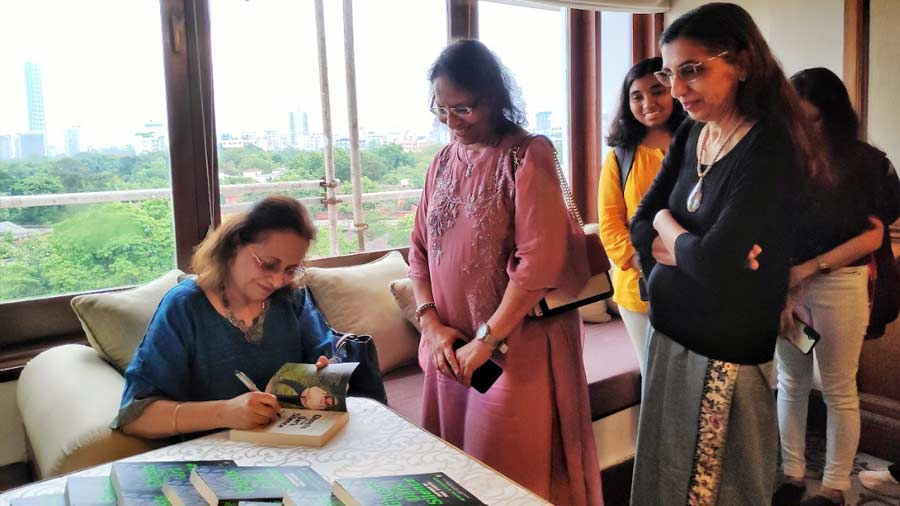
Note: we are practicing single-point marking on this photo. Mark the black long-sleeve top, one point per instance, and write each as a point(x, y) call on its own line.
point(831, 214)
point(710, 302)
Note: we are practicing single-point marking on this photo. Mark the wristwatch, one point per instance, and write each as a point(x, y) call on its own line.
point(823, 267)
point(483, 334)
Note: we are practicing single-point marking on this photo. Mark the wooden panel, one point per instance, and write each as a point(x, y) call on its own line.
point(585, 133)
point(645, 32)
point(462, 19)
point(856, 57)
point(188, 70)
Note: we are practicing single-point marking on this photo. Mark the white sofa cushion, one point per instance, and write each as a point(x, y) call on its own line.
point(116, 322)
point(68, 395)
point(358, 299)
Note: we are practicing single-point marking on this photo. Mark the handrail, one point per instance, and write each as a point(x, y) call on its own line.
point(58, 199)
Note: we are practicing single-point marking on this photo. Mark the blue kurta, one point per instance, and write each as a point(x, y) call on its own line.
point(190, 352)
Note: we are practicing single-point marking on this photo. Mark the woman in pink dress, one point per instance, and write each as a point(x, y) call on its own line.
point(491, 236)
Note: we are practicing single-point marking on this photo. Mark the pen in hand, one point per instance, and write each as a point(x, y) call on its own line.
point(249, 384)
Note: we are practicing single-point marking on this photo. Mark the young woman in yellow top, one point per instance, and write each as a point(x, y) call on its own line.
point(644, 123)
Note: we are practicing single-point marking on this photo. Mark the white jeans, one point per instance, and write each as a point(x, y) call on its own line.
point(835, 305)
point(638, 327)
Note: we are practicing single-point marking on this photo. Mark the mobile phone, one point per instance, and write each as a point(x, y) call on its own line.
point(485, 376)
point(803, 336)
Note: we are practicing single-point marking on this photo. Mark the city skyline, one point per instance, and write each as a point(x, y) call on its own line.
point(104, 104)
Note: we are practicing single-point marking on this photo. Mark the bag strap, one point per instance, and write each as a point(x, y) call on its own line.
point(625, 160)
point(563, 183)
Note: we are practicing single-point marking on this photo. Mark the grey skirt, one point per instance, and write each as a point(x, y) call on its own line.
point(708, 433)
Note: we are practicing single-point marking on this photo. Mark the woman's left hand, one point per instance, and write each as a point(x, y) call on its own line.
point(471, 356)
point(661, 254)
point(322, 362)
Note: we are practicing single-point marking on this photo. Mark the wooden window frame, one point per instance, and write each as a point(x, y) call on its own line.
point(31, 326)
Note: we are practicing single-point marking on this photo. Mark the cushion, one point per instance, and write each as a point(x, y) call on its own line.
point(406, 300)
point(116, 322)
point(358, 299)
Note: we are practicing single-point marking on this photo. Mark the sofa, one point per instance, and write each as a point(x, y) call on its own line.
point(69, 394)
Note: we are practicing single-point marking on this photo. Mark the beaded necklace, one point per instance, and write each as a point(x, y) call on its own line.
point(253, 333)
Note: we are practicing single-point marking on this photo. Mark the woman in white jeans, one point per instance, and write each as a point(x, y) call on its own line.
point(842, 223)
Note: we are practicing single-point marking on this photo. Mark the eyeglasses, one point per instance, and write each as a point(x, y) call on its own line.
point(273, 268)
point(689, 72)
point(443, 111)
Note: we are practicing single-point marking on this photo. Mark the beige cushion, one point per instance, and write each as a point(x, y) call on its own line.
point(358, 299)
point(67, 396)
point(402, 289)
point(116, 322)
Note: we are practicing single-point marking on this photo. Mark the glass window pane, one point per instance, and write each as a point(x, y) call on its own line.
point(615, 49)
point(269, 118)
point(82, 129)
point(536, 61)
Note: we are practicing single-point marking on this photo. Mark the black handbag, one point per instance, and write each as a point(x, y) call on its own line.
point(366, 379)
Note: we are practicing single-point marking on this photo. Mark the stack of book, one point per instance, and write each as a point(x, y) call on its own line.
point(222, 483)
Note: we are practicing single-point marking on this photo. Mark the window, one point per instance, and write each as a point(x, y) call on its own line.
point(615, 57)
point(530, 42)
point(85, 187)
point(269, 117)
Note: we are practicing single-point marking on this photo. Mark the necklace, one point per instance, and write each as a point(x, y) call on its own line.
point(253, 333)
point(696, 196)
point(469, 165)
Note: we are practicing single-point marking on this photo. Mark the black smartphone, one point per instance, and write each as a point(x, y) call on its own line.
point(485, 376)
point(803, 336)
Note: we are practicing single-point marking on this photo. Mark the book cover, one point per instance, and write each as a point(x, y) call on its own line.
point(218, 484)
point(296, 427)
point(140, 483)
point(302, 386)
point(183, 493)
point(403, 490)
point(40, 500)
point(90, 491)
point(324, 498)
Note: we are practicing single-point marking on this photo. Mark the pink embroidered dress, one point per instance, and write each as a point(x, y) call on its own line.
point(478, 228)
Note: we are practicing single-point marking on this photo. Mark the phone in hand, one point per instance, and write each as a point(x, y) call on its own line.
point(803, 336)
point(485, 376)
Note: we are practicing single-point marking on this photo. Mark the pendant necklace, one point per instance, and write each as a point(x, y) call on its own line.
point(469, 164)
point(253, 333)
point(696, 196)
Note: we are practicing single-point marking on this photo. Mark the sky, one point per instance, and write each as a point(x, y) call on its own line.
point(106, 78)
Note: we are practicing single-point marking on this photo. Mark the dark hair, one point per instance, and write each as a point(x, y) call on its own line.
point(765, 94)
point(823, 89)
point(625, 130)
point(470, 65)
point(213, 256)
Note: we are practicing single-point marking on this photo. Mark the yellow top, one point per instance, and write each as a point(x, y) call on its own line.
point(616, 209)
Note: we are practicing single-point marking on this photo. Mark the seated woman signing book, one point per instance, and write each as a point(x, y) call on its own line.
point(241, 312)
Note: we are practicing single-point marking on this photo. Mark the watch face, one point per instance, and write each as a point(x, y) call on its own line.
point(482, 332)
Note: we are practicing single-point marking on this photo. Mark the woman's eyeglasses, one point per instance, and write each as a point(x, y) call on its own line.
point(443, 112)
point(689, 72)
point(273, 268)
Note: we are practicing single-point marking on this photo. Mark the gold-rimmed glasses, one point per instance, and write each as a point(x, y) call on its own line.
point(688, 72)
point(273, 267)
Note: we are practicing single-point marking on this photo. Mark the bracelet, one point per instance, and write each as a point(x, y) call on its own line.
point(425, 306)
point(175, 418)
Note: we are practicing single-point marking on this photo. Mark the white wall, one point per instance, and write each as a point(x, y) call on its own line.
point(12, 433)
point(884, 77)
point(801, 33)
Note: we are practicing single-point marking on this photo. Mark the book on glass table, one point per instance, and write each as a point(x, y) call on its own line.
point(314, 402)
point(403, 490)
point(140, 483)
point(90, 491)
point(220, 485)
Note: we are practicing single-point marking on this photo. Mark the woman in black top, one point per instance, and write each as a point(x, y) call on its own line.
point(841, 221)
point(708, 432)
